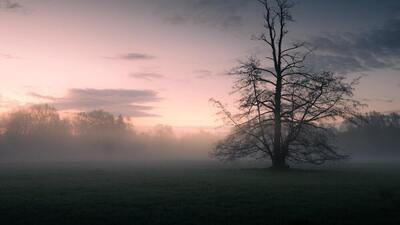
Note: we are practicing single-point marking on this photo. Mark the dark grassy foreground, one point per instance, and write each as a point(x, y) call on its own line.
point(196, 194)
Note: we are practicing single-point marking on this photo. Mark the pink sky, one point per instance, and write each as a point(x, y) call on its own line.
point(51, 47)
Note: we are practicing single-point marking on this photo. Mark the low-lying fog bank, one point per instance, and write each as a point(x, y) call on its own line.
point(38, 133)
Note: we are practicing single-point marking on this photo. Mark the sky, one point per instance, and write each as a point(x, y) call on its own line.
point(161, 61)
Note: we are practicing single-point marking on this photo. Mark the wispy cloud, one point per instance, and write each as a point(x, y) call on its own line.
point(222, 13)
point(9, 4)
point(146, 76)
point(43, 97)
point(377, 48)
point(176, 19)
point(129, 102)
point(131, 56)
point(385, 100)
point(203, 74)
point(8, 56)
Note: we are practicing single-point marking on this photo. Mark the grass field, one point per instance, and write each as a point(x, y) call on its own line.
point(197, 193)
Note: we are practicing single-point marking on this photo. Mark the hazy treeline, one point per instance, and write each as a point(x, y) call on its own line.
point(39, 132)
point(372, 136)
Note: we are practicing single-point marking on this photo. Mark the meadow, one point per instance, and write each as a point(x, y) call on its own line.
point(197, 193)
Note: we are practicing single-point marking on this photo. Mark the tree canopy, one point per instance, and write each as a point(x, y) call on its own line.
point(284, 104)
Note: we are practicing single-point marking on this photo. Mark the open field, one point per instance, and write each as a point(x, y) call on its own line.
point(197, 193)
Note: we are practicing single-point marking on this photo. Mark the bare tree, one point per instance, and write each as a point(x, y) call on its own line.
point(102, 130)
point(99, 121)
point(43, 120)
point(283, 107)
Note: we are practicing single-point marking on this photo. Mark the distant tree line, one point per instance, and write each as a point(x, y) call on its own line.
point(40, 132)
point(372, 136)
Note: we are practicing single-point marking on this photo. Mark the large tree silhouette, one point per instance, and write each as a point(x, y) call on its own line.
point(284, 104)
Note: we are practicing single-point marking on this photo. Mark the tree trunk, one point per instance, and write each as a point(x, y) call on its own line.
point(279, 157)
point(279, 163)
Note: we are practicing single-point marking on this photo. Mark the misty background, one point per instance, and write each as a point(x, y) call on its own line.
point(42, 133)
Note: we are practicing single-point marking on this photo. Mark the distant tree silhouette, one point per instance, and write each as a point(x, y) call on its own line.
point(163, 132)
point(40, 132)
point(99, 121)
point(373, 120)
point(33, 129)
point(283, 107)
point(372, 135)
point(101, 129)
point(36, 120)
